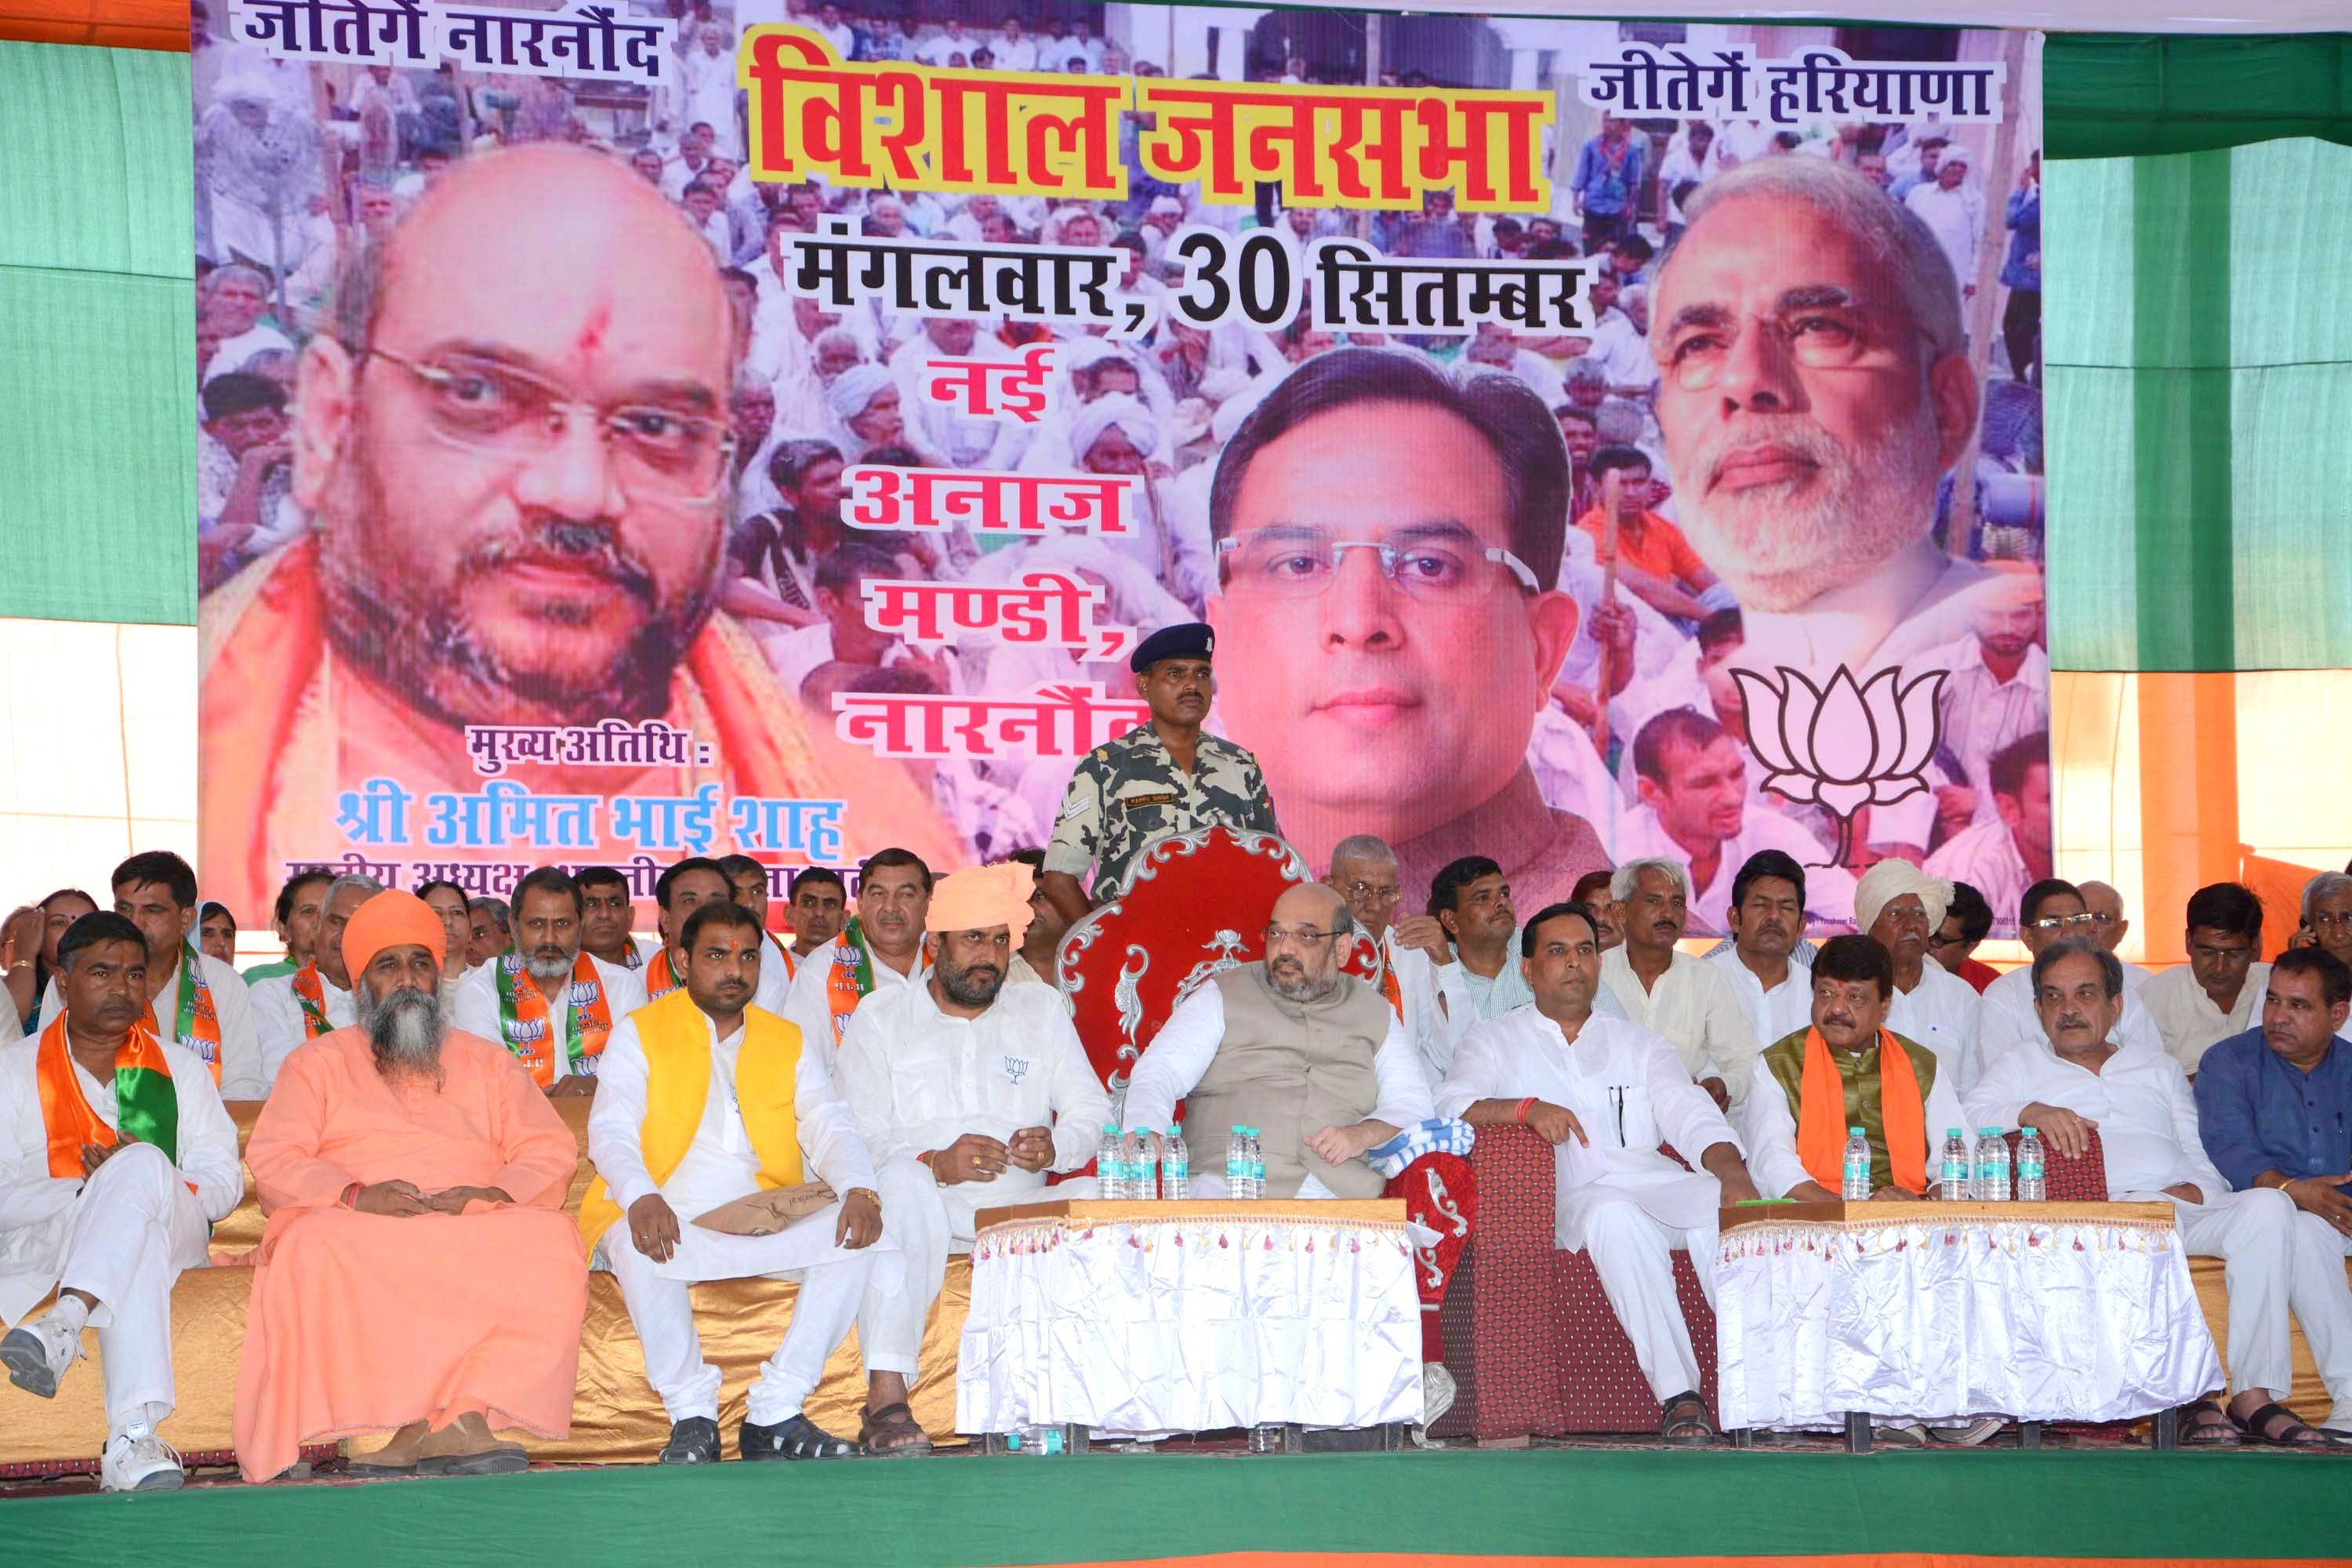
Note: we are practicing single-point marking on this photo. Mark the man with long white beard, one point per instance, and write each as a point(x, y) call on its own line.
point(115, 1158)
point(766, 1178)
point(553, 1005)
point(968, 1090)
point(315, 999)
point(418, 1272)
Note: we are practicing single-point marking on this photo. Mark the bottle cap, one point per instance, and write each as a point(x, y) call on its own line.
point(1175, 1132)
point(1854, 1131)
point(1951, 1133)
point(2027, 1132)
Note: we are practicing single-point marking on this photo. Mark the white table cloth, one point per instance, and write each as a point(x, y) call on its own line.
point(1934, 1311)
point(1144, 1318)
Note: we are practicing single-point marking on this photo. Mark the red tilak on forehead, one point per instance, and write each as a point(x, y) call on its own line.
point(591, 341)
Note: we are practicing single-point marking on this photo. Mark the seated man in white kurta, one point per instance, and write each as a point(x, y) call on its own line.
point(1315, 1059)
point(1607, 1093)
point(115, 1158)
point(315, 999)
point(717, 1129)
point(967, 1092)
point(546, 999)
point(2079, 1079)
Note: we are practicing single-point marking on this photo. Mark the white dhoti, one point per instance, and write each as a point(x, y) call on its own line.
point(928, 1222)
point(132, 1230)
point(2277, 1260)
point(832, 1279)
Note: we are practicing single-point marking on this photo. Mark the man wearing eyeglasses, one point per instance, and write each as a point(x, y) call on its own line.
point(2218, 994)
point(2109, 927)
point(1814, 388)
point(517, 460)
point(1319, 1063)
point(1389, 542)
point(2327, 914)
point(1364, 873)
point(2048, 910)
point(1159, 779)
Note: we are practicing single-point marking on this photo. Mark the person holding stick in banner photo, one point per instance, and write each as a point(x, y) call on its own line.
point(518, 459)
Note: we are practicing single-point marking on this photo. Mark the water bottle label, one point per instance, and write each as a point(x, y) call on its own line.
point(2029, 1170)
point(1178, 1169)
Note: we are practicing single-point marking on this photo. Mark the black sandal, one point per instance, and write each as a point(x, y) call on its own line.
point(798, 1438)
point(1686, 1422)
point(2205, 1425)
point(892, 1421)
point(2252, 1426)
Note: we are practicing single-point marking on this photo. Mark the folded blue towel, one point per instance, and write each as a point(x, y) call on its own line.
point(1438, 1135)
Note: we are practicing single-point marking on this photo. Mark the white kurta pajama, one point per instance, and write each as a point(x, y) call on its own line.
point(1941, 1013)
point(278, 1023)
point(807, 1004)
point(122, 1236)
point(1695, 1007)
point(477, 1008)
point(2148, 1141)
point(917, 1079)
point(1618, 1200)
point(720, 1166)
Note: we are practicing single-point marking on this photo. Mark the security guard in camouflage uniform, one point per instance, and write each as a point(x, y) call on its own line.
point(1157, 780)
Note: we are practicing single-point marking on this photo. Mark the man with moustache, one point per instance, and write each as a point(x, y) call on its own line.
point(606, 913)
point(517, 461)
point(1687, 999)
point(968, 1090)
point(2048, 910)
point(1774, 989)
point(316, 999)
point(1607, 1093)
point(554, 1003)
point(880, 948)
point(116, 1158)
point(723, 1151)
point(2327, 914)
point(1898, 906)
point(418, 1271)
point(1389, 537)
point(1364, 872)
point(1814, 389)
point(680, 891)
point(1321, 1066)
point(1162, 778)
point(2076, 1079)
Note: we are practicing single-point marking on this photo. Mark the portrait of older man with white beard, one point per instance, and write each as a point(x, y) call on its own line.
point(1814, 389)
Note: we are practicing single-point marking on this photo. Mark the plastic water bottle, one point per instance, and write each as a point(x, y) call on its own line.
point(1857, 1179)
point(1237, 1163)
point(1142, 1166)
point(1954, 1187)
point(1043, 1442)
point(1992, 1166)
point(1110, 1163)
point(2032, 1181)
point(1257, 1164)
point(1175, 1167)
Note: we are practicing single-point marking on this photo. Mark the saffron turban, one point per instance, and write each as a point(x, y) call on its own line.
point(1889, 880)
point(390, 918)
point(983, 898)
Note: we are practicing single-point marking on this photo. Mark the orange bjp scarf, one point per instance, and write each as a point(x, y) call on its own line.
point(1821, 1123)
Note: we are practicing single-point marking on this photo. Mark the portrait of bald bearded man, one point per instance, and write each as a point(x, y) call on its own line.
point(1814, 389)
point(518, 458)
point(1389, 541)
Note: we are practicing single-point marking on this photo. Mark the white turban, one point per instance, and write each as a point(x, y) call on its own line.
point(1131, 418)
point(1889, 880)
point(855, 387)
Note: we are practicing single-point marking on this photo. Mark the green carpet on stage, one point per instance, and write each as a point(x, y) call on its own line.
point(950, 1513)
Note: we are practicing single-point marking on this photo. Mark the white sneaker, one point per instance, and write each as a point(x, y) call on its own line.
point(1900, 1435)
point(139, 1461)
point(1968, 1433)
point(37, 1354)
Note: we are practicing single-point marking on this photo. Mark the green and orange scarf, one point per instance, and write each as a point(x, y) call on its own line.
point(196, 1027)
point(850, 979)
point(310, 993)
point(522, 1017)
point(146, 1105)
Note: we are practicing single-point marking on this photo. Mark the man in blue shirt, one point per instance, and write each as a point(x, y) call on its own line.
point(1607, 186)
point(2275, 1110)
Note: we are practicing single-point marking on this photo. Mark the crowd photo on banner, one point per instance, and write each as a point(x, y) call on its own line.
point(821, 629)
point(417, 666)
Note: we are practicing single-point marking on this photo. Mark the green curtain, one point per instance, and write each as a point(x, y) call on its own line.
point(2116, 95)
point(2198, 321)
point(96, 336)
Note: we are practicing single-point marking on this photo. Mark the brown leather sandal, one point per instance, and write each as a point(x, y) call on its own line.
point(890, 1433)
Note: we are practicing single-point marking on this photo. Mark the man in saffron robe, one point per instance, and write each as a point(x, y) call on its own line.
point(518, 458)
point(418, 1272)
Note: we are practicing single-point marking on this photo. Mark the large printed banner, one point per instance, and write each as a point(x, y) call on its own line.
point(628, 435)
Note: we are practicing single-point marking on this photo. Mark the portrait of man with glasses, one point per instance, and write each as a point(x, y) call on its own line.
point(517, 460)
point(1388, 538)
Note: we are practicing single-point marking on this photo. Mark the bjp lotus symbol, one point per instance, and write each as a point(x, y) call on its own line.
point(1842, 746)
